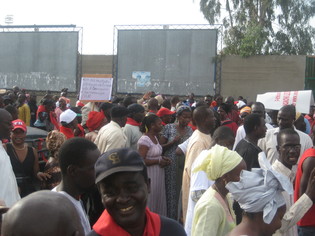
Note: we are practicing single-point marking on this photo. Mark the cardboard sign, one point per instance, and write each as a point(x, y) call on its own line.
point(302, 100)
point(96, 89)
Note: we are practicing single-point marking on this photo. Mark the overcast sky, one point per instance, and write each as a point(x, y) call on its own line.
point(98, 17)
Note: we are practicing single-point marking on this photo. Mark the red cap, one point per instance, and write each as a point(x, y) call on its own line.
point(19, 124)
point(79, 104)
point(164, 111)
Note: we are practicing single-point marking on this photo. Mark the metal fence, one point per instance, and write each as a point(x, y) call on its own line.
point(52, 29)
point(217, 59)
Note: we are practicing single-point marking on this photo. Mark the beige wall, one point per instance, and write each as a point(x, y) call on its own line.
point(260, 74)
point(97, 64)
point(240, 76)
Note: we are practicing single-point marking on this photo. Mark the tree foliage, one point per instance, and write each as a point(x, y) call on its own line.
point(254, 27)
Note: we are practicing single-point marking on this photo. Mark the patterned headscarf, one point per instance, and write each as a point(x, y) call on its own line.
point(54, 141)
point(180, 109)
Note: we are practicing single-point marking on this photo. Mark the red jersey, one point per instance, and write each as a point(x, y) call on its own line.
point(308, 219)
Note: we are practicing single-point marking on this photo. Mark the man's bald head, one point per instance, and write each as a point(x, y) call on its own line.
point(204, 119)
point(42, 213)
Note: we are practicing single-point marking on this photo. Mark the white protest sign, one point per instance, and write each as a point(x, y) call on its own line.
point(275, 100)
point(96, 89)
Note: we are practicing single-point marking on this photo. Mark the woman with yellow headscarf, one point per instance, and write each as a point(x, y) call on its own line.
point(213, 212)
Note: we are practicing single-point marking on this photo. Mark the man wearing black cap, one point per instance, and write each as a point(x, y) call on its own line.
point(132, 127)
point(111, 135)
point(122, 179)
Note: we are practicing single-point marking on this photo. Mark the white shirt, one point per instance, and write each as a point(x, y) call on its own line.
point(110, 136)
point(198, 182)
point(198, 142)
point(9, 192)
point(269, 144)
point(295, 211)
point(241, 134)
point(133, 134)
point(183, 146)
point(81, 212)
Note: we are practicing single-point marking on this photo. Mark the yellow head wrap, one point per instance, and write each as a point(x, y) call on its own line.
point(218, 161)
point(297, 115)
point(246, 109)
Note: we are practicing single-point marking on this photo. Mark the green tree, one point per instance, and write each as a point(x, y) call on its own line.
point(254, 27)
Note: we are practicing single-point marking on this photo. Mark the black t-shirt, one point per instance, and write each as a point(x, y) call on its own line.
point(169, 227)
point(249, 152)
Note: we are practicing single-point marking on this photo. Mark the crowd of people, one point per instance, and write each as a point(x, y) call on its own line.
point(156, 166)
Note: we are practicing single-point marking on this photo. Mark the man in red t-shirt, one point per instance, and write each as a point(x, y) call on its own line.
point(306, 226)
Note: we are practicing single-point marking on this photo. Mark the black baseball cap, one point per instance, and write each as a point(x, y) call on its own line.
point(118, 160)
